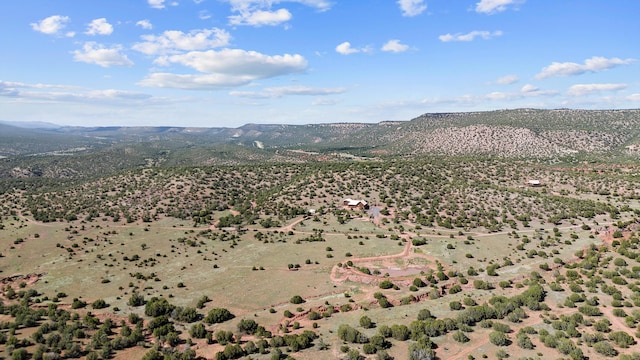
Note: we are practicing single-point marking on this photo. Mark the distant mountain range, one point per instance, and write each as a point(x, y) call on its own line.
point(519, 133)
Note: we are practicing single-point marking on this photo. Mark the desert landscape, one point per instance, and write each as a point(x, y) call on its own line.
point(438, 257)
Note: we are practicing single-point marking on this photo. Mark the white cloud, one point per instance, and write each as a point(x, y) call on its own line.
point(529, 90)
point(633, 97)
point(498, 95)
point(495, 6)
point(194, 81)
point(99, 27)
point(204, 15)
point(173, 40)
point(117, 94)
point(261, 17)
point(7, 90)
point(412, 7)
point(11, 84)
point(486, 35)
point(145, 24)
point(278, 92)
point(243, 5)
point(586, 89)
point(526, 92)
point(225, 68)
point(594, 64)
point(237, 61)
point(394, 46)
point(260, 13)
point(156, 4)
point(507, 80)
point(321, 5)
point(51, 25)
point(63, 93)
point(93, 53)
point(346, 49)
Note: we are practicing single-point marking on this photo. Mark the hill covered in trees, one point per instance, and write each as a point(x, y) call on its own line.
point(565, 135)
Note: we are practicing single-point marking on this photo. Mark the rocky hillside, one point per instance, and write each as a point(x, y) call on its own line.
point(505, 133)
point(601, 135)
point(520, 133)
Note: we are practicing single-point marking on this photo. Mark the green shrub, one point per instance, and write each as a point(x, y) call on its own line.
point(218, 315)
point(460, 337)
point(99, 304)
point(498, 338)
point(605, 349)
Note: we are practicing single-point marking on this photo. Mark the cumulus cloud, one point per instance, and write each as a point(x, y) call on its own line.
point(495, 6)
point(486, 35)
point(52, 25)
point(145, 24)
point(94, 53)
point(156, 4)
point(587, 89)
point(237, 61)
point(394, 46)
point(173, 41)
point(278, 92)
point(261, 17)
point(346, 49)
point(99, 27)
point(260, 13)
point(225, 68)
point(594, 64)
point(412, 7)
point(507, 80)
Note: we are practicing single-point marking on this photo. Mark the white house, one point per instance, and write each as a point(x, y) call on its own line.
point(534, 183)
point(355, 204)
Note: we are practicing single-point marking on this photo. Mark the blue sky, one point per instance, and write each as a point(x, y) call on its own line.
point(230, 62)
